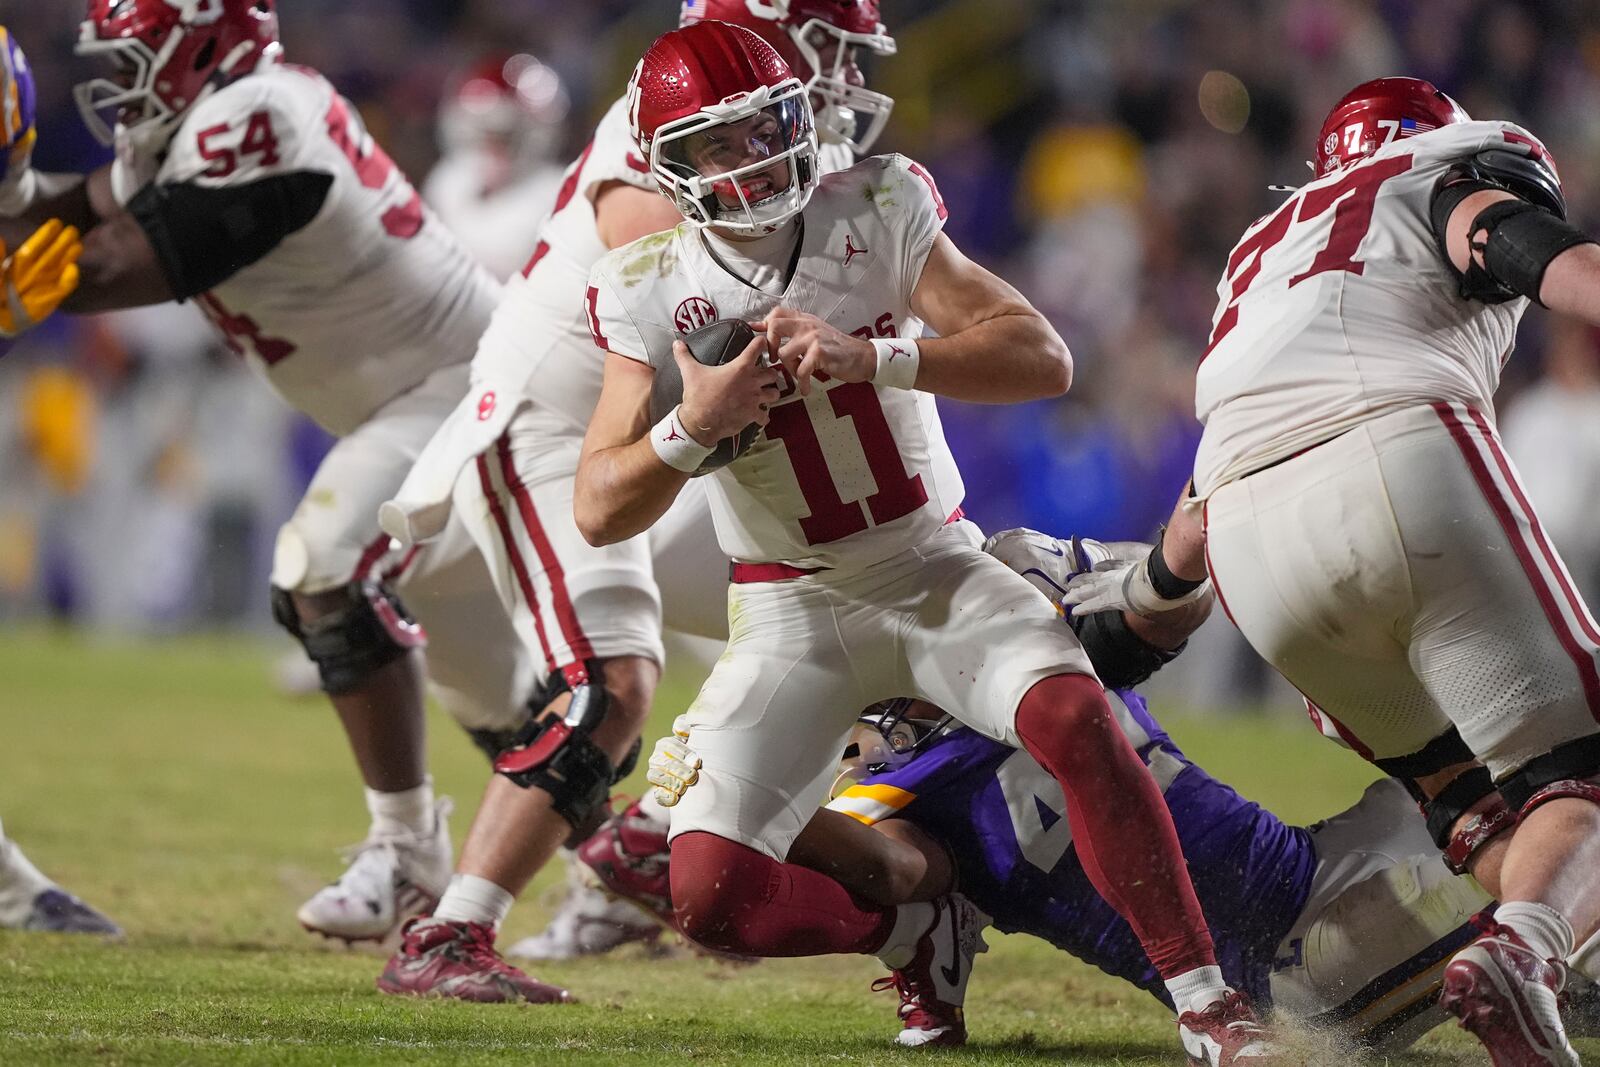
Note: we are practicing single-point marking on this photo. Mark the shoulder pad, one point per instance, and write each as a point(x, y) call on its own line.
point(1530, 177)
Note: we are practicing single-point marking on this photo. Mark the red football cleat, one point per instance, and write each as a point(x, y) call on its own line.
point(628, 856)
point(1504, 993)
point(440, 958)
point(1226, 1033)
point(933, 986)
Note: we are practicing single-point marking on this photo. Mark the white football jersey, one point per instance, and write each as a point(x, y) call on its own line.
point(540, 333)
point(854, 473)
point(498, 227)
point(1338, 308)
point(365, 301)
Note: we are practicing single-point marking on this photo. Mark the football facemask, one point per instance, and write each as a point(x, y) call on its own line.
point(883, 738)
point(745, 167)
point(848, 113)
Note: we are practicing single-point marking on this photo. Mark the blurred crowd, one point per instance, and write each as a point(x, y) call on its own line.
point(1102, 155)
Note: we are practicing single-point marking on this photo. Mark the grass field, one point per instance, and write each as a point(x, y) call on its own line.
point(165, 783)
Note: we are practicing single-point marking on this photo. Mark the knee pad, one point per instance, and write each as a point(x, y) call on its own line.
point(370, 630)
point(1565, 766)
point(1459, 845)
point(558, 754)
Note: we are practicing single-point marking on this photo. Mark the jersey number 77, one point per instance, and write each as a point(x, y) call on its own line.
point(1350, 198)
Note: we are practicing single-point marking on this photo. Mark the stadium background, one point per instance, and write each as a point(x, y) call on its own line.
point(1102, 155)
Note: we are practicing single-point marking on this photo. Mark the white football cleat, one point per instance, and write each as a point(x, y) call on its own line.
point(933, 986)
point(391, 878)
point(589, 922)
point(31, 901)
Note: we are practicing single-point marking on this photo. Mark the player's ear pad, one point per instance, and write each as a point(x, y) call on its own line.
point(712, 345)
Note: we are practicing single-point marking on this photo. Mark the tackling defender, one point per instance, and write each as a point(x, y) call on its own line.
point(855, 577)
point(1371, 539)
point(506, 462)
point(250, 186)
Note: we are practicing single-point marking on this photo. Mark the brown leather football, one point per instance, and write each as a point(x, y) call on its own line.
point(713, 345)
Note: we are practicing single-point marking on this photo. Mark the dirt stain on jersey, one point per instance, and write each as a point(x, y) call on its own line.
point(650, 255)
point(882, 195)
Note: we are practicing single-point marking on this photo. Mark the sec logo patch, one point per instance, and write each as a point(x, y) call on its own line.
point(694, 313)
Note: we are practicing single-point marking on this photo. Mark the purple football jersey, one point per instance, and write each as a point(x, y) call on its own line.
point(1004, 819)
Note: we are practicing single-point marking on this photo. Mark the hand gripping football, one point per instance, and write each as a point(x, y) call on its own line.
point(713, 346)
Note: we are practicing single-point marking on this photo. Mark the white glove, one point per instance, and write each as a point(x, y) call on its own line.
point(674, 766)
point(1124, 585)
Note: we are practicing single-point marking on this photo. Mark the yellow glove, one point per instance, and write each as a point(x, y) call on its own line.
point(42, 273)
point(674, 767)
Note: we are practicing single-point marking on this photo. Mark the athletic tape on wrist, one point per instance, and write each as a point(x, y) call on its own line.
point(675, 447)
point(898, 360)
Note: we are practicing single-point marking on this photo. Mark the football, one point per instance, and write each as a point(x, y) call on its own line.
point(713, 345)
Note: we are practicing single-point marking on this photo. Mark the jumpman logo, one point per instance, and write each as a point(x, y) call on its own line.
point(673, 434)
point(896, 350)
point(850, 250)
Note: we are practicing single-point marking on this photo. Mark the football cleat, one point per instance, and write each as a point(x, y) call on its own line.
point(629, 857)
point(933, 986)
point(59, 912)
point(441, 958)
point(1226, 1033)
point(1504, 993)
point(390, 878)
point(589, 922)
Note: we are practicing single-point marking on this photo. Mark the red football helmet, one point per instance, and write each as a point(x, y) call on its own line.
point(170, 54)
point(726, 127)
point(818, 39)
point(511, 106)
point(1377, 112)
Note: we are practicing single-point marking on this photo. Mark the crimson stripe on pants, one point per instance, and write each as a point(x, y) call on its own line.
point(507, 538)
point(1546, 549)
point(566, 616)
point(1492, 493)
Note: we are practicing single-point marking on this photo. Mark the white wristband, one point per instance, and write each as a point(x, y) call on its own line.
point(17, 196)
point(898, 360)
point(675, 447)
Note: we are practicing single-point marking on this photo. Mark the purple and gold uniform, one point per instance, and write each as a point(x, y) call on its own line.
point(1346, 923)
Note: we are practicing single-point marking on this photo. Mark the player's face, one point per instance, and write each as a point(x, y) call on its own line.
point(735, 145)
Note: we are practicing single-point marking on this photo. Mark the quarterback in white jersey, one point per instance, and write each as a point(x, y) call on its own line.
point(1369, 536)
point(252, 188)
point(855, 578)
point(504, 465)
point(500, 128)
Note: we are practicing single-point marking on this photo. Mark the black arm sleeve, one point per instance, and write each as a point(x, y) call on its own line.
point(204, 235)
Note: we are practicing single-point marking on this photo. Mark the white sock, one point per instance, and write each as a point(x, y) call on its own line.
point(1545, 930)
point(1196, 990)
point(1585, 959)
point(911, 921)
point(651, 808)
point(20, 882)
point(409, 811)
point(471, 899)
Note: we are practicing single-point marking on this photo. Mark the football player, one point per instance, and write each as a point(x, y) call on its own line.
point(1368, 534)
point(250, 187)
point(1346, 924)
point(501, 129)
point(855, 577)
point(592, 615)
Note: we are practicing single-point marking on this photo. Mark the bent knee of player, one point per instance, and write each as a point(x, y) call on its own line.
point(708, 892)
point(630, 683)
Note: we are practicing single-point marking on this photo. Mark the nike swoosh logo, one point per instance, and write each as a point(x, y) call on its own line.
point(1056, 552)
point(952, 975)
